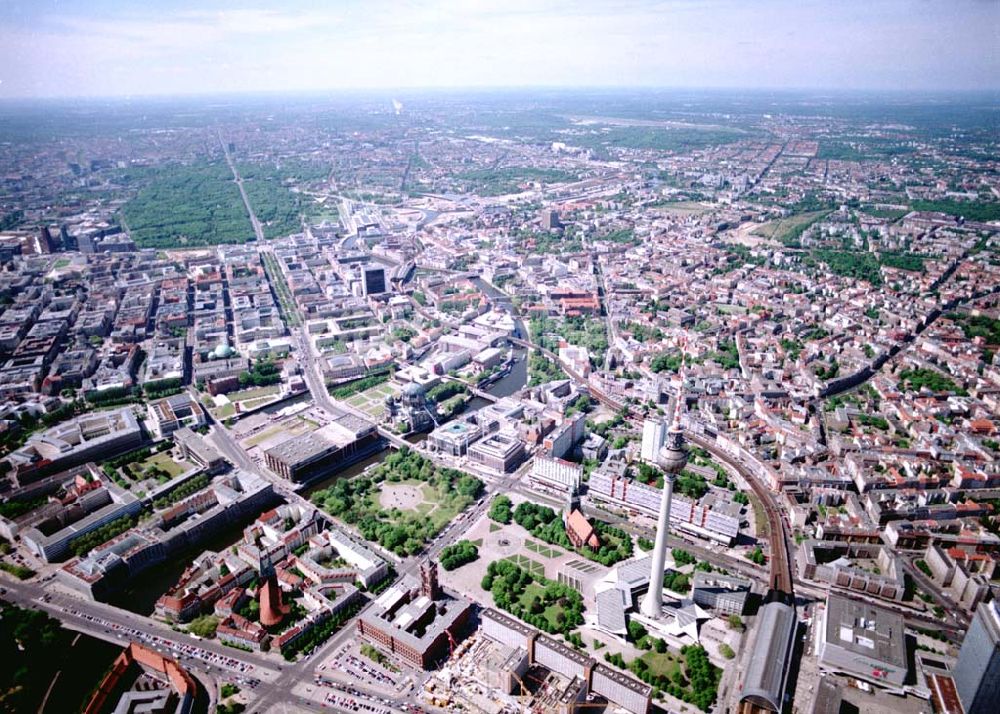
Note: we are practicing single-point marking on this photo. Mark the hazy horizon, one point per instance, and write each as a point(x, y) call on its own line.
point(386, 94)
point(111, 48)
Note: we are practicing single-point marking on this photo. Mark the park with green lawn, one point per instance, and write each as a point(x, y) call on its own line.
point(547, 525)
point(688, 675)
point(402, 503)
point(545, 604)
point(789, 230)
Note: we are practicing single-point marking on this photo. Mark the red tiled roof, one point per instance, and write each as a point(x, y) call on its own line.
point(581, 527)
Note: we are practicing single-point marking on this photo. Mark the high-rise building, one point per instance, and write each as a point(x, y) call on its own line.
point(373, 280)
point(46, 244)
point(671, 459)
point(977, 671)
point(654, 432)
point(556, 475)
point(550, 219)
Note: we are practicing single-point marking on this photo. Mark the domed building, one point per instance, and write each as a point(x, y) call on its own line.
point(413, 393)
point(413, 407)
point(222, 351)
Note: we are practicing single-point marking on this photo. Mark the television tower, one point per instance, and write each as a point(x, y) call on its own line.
point(672, 458)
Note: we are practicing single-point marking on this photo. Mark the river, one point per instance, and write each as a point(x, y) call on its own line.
point(513, 382)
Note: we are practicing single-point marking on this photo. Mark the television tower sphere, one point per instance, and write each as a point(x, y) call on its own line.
point(673, 456)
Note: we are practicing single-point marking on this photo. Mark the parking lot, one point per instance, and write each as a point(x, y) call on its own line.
point(180, 651)
point(348, 664)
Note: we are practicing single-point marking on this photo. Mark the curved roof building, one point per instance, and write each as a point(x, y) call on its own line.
point(766, 677)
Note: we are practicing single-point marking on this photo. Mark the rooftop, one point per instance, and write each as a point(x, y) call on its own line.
point(764, 681)
point(864, 629)
point(299, 449)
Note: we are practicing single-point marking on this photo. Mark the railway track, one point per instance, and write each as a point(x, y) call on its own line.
point(780, 562)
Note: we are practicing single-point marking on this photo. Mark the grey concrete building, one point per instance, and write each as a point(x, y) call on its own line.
point(723, 593)
point(977, 672)
point(863, 641)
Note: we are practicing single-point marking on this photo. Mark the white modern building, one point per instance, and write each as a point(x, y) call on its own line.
point(555, 475)
point(654, 433)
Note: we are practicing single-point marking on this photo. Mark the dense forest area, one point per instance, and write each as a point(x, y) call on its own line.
point(188, 206)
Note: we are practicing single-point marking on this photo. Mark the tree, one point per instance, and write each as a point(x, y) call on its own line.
point(735, 622)
point(665, 362)
point(726, 651)
point(546, 524)
point(263, 373)
point(26, 636)
point(507, 584)
point(636, 631)
point(458, 554)
point(678, 582)
point(353, 501)
point(615, 658)
point(682, 557)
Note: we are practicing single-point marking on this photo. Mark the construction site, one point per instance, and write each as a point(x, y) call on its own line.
point(511, 667)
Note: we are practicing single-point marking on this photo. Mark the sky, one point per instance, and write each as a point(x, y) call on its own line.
point(104, 48)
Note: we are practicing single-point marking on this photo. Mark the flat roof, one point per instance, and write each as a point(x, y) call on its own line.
point(717, 580)
point(864, 629)
point(623, 679)
point(507, 621)
point(302, 448)
point(447, 611)
point(565, 651)
point(455, 427)
point(635, 573)
point(353, 423)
